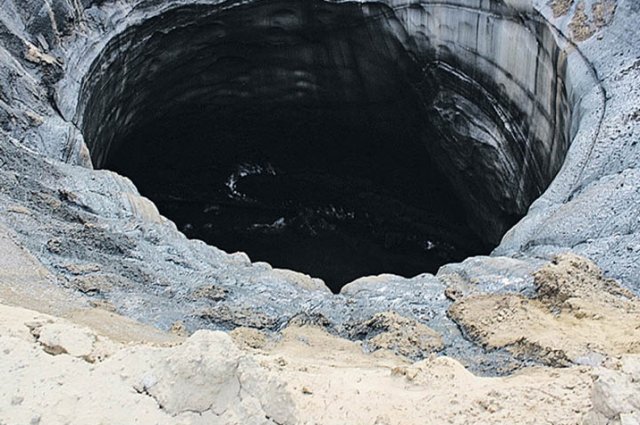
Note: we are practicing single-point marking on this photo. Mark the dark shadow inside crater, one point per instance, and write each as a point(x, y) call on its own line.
point(337, 193)
point(302, 133)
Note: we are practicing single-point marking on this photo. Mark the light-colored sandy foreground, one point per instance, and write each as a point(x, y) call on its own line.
point(69, 364)
point(55, 371)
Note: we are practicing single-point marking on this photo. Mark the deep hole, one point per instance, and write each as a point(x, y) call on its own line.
point(302, 134)
point(336, 191)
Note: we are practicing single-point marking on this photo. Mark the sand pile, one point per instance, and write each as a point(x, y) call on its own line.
point(584, 327)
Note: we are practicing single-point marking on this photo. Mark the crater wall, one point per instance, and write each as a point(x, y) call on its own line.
point(548, 81)
point(491, 80)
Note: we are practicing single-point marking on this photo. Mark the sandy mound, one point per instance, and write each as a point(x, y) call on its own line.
point(399, 334)
point(95, 367)
point(616, 393)
point(56, 372)
point(577, 316)
point(332, 381)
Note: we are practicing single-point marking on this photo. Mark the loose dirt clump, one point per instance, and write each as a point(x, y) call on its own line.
point(403, 336)
point(576, 316)
point(582, 25)
point(560, 7)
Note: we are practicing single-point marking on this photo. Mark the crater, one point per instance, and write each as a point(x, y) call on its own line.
point(336, 139)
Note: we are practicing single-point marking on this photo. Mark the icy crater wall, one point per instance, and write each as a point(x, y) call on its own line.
point(492, 83)
point(564, 79)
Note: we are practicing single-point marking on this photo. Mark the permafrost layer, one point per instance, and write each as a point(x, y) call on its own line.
point(508, 91)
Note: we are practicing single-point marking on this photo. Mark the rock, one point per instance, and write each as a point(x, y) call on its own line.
point(561, 7)
point(68, 375)
point(249, 338)
point(303, 280)
point(104, 305)
point(581, 28)
point(403, 336)
point(60, 339)
point(575, 315)
point(81, 269)
point(179, 329)
point(314, 319)
point(205, 360)
point(232, 317)
point(616, 393)
point(210, 292)
point(91, 285)
point(488, 275)
point(570, 276)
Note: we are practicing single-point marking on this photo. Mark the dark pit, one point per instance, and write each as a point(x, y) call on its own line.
point(321, 137)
